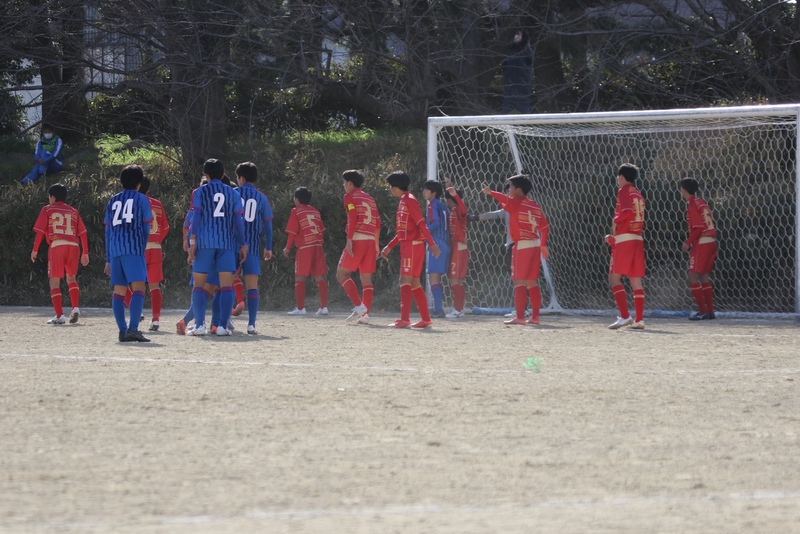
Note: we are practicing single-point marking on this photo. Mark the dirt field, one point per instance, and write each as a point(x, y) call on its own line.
point(320, 426)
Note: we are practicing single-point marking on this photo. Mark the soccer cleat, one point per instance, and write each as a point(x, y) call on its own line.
point(231, 326)
point(515, 320)
point(438, 315)
point(57, 320)
point(455, 314)
point(696, 316)
point(123, 337)
point(709, 316)
point(533, 321)
point(251, 329)
point(357, 312)
point(223, 332)
point(237, 311)
point(197, 331)
point(637, 325)
point(364, 319)
point(180, 327)
point(399, 324)
point(135, 335)
point(620, 322)
point(74, 315)
point(422, 324)
point(322, 311)
point(154, 324)
point(528, 313)
point(297, 312)
point(213, 329)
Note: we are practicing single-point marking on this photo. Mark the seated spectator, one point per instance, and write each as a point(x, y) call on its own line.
point(48, 155)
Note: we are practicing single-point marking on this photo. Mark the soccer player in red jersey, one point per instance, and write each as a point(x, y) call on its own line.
point(627, 248)
point(411, 233)
point(529, 230)
point(306, 229)
point(702, 248)
point(362, 248)
point(62, 226)
point(459, 261)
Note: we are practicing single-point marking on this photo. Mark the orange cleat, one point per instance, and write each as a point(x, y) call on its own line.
point(422, 324)
point(399, 324)
point(181, 327)
point(516, 320)
point(237, 311)
point(533, 321)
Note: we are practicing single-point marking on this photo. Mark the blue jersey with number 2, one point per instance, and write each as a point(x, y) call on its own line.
point(214, 211)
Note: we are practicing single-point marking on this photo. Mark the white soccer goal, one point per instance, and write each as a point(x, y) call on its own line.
point(745, 159)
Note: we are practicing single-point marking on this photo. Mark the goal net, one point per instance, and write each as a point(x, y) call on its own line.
point(745, 160)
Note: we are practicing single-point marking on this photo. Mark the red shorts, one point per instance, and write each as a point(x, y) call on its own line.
point(459, 262)
point(155, 265)
point(63, 260)
point(364, 258)
point(412, 258)
point(526, 262)
point(310, 261)
point(702, 257)
point(627, 259)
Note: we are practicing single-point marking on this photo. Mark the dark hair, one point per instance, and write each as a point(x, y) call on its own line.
point(434, 187)
point(46, 126)
point(629, 171)
point(521, 181)
point(459, 192)
point(690, 185)
point(225, 180)
point(303, 195)
point(131, 176)
point(59, 191)
point(248, 171)
point(214, 169)
point(145, 187)
point(399, 179)
point(354, 177)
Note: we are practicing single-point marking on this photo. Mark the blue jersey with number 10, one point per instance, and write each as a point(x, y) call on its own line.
point(257, 218)
point(214, 210)
point(127, 220)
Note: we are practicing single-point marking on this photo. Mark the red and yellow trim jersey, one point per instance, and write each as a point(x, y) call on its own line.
point(363, 217)
point(526, 221)
point(61, 223)
point(159, 227)
point(410, 223)
point(458, 222)
point(701, 222)
point(305, 226)
point(629, 212)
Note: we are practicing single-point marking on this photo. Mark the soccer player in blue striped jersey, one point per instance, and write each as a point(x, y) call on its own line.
point(215, 237)
point(257, 229)
point(127, 220)
point(437, 216)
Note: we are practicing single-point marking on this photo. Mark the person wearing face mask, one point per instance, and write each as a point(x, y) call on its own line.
point(48, 155)
point(518, 76)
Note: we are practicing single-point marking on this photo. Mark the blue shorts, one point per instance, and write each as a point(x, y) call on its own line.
point(252, 265)
point(213, 278)
point(128, 269)
point(209, 260)
point(440, 265)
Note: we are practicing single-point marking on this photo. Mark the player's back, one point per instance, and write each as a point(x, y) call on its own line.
point(60, 221)
point(128, 218)
point(257, 210)
point(312, 229)
point(439, 221)
point(368, 218)
point(158, 228)
point(215, 205)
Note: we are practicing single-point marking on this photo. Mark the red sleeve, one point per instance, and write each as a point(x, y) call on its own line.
point(38, 242)
point(625, 207)
point(695, 230)
point(461, 208)
point(163, 223)
point(500, 197)
point(544, 228)
point(83, 235)
point(393, 242)
point(415, 214)
point(292, 227)
point(352, 216)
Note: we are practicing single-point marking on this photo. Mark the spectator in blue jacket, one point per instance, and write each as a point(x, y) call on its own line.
point(48, 155)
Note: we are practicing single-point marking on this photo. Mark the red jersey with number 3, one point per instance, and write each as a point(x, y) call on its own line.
point(629, 213)
point(362, 214)
point(61, 222)
point(305, 226)
point(159, 228)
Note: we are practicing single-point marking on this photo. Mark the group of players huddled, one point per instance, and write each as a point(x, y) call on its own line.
point(228, 232)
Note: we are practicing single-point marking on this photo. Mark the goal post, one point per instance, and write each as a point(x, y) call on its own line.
point(744, 158)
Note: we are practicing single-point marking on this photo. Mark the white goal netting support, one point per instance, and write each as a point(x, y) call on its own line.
point(745, 159)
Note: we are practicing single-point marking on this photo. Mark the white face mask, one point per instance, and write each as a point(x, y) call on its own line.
point(48, 136)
